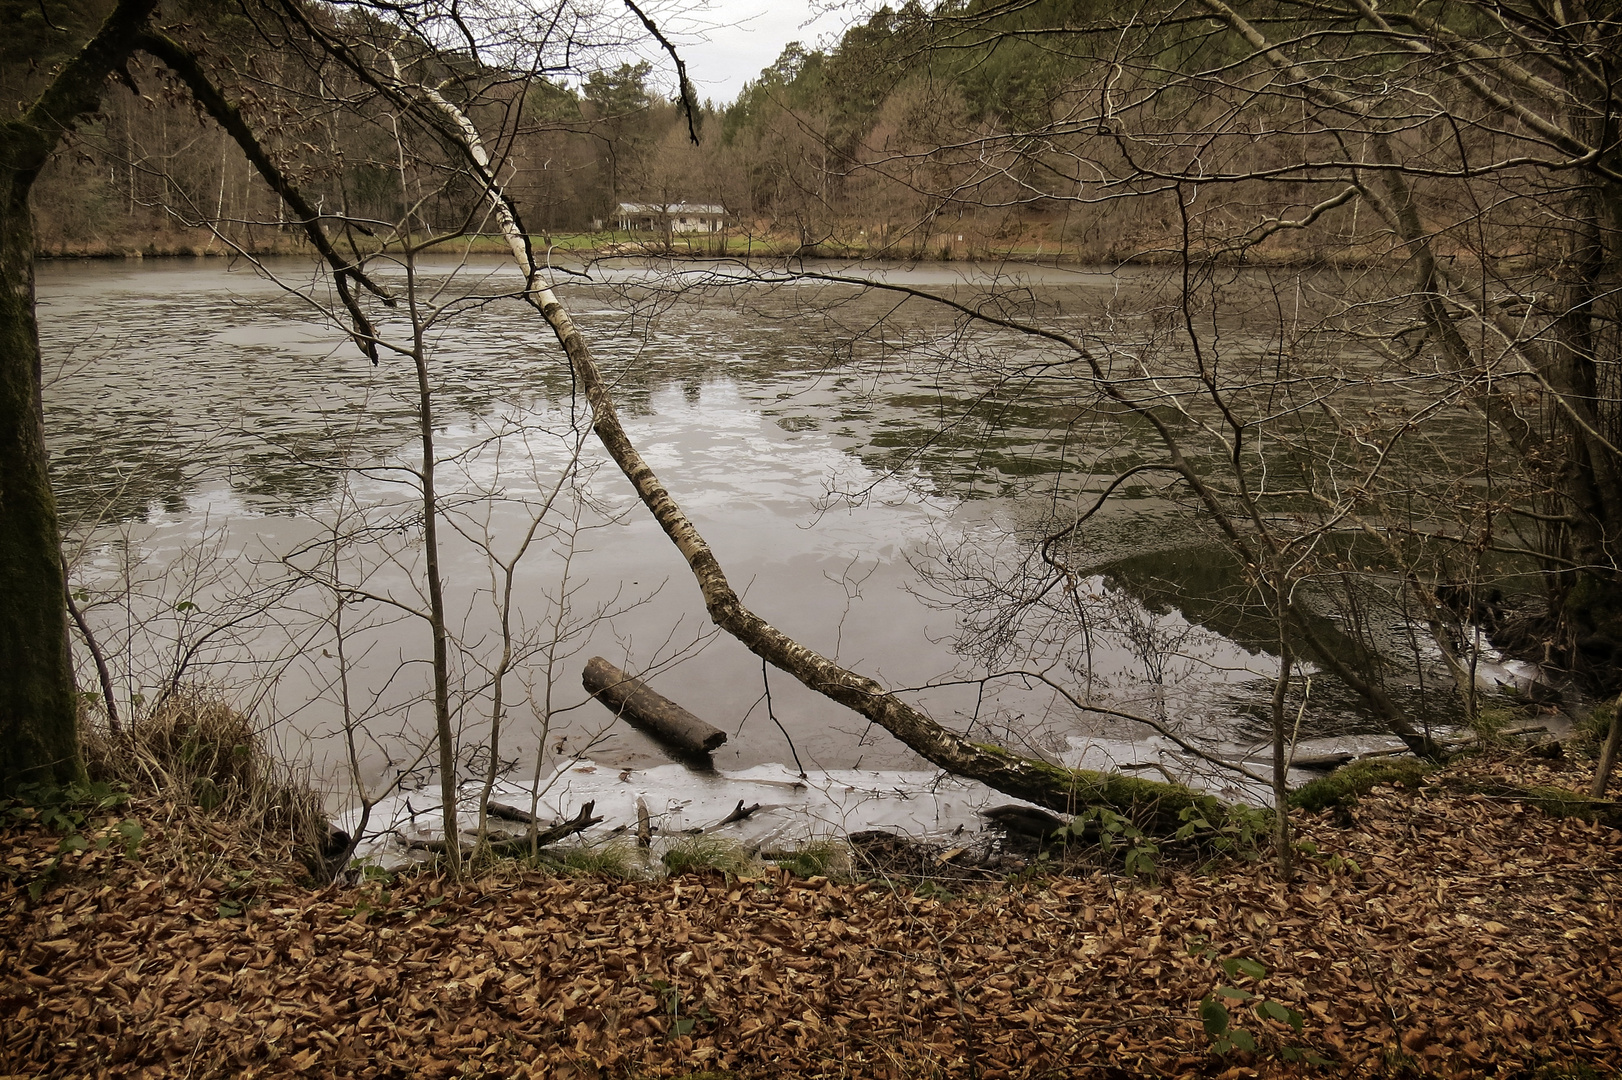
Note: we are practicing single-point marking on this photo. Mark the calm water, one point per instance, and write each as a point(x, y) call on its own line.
point(223, 456)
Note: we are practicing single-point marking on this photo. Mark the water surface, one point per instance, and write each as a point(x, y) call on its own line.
point(223, 455)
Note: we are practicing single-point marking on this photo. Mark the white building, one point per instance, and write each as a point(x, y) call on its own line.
point(672, 217)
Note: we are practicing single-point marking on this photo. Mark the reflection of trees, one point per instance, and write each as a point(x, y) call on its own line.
point(1449, 176)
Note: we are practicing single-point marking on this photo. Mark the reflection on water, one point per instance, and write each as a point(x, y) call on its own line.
point(221, 453)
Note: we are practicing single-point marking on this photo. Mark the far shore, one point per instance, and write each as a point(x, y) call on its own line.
point(952, 248)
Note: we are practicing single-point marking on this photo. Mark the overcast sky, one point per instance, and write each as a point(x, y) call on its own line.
point(745, 36)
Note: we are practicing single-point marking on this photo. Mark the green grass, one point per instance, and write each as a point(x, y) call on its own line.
point(1597, 724)
point(820, 858)
point(694, 854)
point(617, 858)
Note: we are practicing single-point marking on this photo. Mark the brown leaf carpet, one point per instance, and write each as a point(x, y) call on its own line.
point(1480, 938)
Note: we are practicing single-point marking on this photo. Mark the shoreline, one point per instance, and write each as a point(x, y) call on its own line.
point(592, 247)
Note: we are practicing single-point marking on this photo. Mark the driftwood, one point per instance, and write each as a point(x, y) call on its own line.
point(1326, 762)
point(649, 711)
point(739, 813)
point(509, 813)
point(507, 844)
point(579, 823)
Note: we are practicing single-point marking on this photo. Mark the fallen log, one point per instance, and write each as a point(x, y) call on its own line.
point(579, 823)
point(649, 711)
point(509, 813)
point(1326, 762)
point(1336, 759)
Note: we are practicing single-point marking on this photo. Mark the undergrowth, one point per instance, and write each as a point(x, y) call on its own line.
point(207, 761)
point(87, 816)
point(819, 858)
point(615, 859)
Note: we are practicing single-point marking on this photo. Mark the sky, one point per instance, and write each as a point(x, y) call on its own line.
point(726, 43)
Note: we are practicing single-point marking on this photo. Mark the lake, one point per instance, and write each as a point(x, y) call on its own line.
point(227, 465)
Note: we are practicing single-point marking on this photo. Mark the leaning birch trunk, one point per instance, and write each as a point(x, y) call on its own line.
point(1153, 805)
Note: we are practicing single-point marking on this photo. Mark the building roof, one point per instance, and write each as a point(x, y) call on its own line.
point(671, 208)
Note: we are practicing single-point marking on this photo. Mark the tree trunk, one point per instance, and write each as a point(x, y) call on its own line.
point(39, 729)
point(1607, 754)
point(39, 734)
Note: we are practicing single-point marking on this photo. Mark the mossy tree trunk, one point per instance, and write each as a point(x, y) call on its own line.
point(39, 739)
point(38, 715)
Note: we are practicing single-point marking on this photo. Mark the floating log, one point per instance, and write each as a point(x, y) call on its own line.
point(649, 711)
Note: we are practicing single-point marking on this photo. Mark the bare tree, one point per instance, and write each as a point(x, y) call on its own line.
point(1382, 360)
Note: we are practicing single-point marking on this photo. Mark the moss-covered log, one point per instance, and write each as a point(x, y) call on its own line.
point(1344, 785)
point(1553, 801)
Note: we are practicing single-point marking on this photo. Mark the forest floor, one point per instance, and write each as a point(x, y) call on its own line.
point(1434, 931)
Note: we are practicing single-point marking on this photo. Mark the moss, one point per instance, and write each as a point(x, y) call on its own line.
point(1554, 801)
point(1344, 785)
point(1597, 724)
point(1490, 722)
point(1152, 805)
point(1561, 802)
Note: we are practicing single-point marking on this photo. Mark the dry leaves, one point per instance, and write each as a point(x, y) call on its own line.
point(1480, 937)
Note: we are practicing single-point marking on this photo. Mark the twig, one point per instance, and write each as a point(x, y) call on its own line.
point(519, 844)
point(767, 683)
point(96, 654)
point(689, 106)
